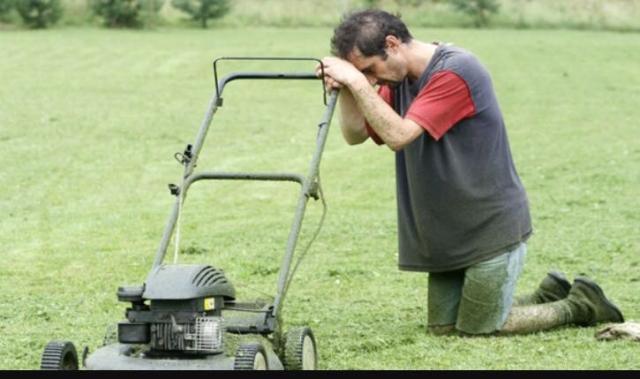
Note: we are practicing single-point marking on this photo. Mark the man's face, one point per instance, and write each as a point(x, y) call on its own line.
point(389, 71)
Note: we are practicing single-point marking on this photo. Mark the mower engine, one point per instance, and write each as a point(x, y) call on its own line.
point(183, 313)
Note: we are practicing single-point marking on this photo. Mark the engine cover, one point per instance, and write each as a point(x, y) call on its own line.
point(187, 281)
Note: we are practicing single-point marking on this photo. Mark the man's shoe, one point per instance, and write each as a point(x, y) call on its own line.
point(589, 305)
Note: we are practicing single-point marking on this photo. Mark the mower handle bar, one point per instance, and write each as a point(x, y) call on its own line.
point(266, 75)
point(190, 159)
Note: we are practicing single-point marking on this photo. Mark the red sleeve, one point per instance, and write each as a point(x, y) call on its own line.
point(443, 102)
point(385, 93)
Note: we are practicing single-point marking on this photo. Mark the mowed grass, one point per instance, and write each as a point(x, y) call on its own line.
point(90, 121)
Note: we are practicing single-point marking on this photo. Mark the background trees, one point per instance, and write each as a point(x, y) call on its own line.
point(35, 14)
point(203, 10)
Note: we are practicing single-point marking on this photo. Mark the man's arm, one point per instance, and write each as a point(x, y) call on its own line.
point(395, 131)
point(352, 122)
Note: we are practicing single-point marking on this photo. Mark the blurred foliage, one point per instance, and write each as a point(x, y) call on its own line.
point(480, 10)
point(125, 13)
point(39, 14)
point(618, 15)
point(203, 10)
point(6, 6)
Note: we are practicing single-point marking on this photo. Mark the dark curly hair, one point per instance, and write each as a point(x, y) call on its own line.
point(367, 30)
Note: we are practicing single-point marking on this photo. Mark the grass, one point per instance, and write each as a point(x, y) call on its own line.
point(90, 121)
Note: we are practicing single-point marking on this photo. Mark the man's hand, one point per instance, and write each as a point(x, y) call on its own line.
point(337, 72)
point(329, 82)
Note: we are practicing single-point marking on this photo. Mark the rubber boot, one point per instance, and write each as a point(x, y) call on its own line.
point(553, 287)
point(589, 306)
point(586, 305)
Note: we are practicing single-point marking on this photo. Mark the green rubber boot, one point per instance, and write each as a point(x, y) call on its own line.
point(589, 306)
point(553, 287)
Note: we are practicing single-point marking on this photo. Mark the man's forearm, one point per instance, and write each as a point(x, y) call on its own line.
point(388, 125)
point(351, 119)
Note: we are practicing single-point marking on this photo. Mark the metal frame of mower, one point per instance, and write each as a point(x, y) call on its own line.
point(177, 319)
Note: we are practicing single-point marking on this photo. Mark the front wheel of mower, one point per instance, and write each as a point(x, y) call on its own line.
point(251, 356)
point(59, 355)
point(300, 350)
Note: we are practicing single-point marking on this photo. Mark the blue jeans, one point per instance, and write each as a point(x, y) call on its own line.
point(478, 299)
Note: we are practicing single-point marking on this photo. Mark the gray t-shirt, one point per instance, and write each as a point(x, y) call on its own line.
point(460, 199)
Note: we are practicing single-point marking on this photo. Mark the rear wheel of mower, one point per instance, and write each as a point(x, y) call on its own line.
point(251, 356)
point(59, 355)
point(300, 350)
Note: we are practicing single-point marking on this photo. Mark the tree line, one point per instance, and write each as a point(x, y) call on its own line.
point(41, 14)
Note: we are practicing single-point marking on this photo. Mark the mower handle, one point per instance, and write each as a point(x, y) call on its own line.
point(263, 75)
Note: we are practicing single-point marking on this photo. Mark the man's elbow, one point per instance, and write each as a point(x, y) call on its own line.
point(410, 132)
point(402, 141)
point(354, 136)
point(353, 139)
point(395, 146)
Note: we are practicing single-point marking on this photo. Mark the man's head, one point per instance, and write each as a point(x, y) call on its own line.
point(371, 40)
point(367, 30)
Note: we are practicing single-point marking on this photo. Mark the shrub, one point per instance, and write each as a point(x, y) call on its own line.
point(5, 7)
point(479, 10)
point(203, 10)
point(39, 14)
point(124, 13)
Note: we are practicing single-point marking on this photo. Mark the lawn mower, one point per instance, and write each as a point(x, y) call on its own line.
point(186, 316)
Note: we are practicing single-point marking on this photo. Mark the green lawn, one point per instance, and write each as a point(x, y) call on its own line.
point(90, 121)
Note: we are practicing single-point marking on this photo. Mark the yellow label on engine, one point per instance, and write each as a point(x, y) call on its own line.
point(209, 304)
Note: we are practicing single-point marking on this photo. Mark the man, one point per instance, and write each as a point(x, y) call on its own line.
point(463, 213)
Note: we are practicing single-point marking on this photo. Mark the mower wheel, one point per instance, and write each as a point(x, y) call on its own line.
point(251, 356)
point(59, 355)
point(300, 350)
